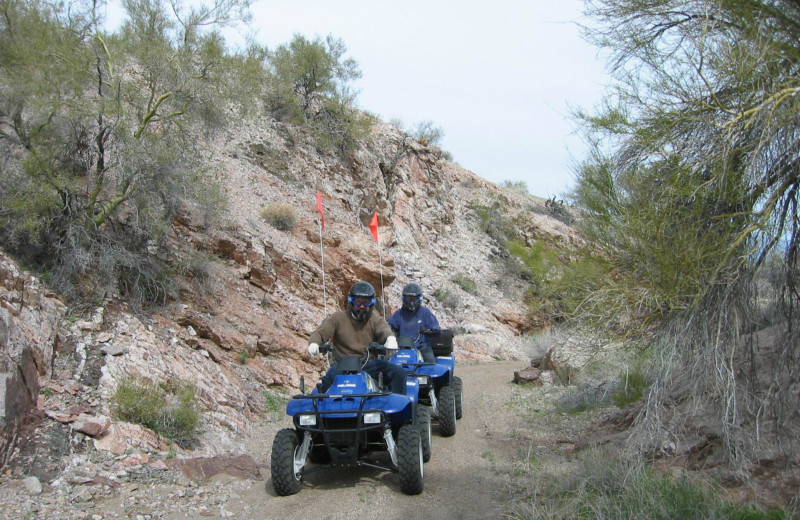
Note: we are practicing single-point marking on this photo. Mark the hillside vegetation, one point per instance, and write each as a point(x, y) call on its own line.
point(690, 198)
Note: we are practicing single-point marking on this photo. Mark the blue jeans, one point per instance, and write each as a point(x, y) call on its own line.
point(394, 376)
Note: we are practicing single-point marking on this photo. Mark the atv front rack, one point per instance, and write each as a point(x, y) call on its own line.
point(344, 431)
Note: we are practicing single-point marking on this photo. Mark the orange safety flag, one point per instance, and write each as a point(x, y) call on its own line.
point(373, 226)
point(319, 208)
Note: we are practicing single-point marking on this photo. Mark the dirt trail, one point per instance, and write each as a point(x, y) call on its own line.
point(462, 479)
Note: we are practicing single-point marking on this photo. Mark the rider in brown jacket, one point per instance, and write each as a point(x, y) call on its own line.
point(351, 330)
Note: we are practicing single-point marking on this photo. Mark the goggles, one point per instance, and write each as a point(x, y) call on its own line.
point(361, 302)
point(411, 298)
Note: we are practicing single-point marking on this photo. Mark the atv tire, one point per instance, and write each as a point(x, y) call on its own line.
point(458, 388)
point(409, 460)
point(423, 423)
point(447, 411)
point(285, 480)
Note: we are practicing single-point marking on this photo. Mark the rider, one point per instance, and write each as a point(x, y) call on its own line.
point(351, 330)
point(412, 317)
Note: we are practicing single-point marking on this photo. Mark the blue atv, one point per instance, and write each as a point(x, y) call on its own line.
point(439, 387)
point(344, 425)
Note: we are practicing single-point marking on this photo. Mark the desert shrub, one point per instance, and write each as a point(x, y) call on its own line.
point(447, 298)
point(537, 344)
point(581, 400)
point(280, 216)
point(538, 262)
point(609, 487)
point(427, 133)
point(558, 209)
point(444, 154)
point(492, 221)
point(517, 186)
point(630, 387)
point(338, 127)
point(466, 283)
point(274, 400)
point(168, 409)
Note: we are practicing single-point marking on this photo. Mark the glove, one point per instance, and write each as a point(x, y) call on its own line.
point(313, 349)
point(391, 343)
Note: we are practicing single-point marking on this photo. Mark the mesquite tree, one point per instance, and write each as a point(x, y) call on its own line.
point(690, 202)
point(98, 134)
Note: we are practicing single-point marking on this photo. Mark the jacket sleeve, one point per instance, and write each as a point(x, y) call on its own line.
point(430, 321)
point(394, 321)
point(324, 332)
point(381, 329)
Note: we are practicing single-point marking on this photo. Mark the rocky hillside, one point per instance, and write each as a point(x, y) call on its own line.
point(254, 293)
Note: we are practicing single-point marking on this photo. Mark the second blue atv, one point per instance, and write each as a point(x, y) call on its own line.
point(344, 425)
point(439, 387)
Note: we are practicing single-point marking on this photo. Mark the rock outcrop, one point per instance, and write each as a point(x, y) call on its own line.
point(29, 335)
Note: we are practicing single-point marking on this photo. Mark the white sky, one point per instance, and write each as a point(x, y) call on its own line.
point(498, 76)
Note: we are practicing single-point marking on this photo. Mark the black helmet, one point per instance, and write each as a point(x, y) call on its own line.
point(412, 297)
point(361, 300)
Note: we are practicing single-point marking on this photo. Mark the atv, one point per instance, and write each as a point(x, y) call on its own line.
point(343, 426)
point(439, 387)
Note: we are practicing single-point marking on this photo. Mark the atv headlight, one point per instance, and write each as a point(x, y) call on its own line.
point(372, 418)
point(307, 419)
point(423, 380)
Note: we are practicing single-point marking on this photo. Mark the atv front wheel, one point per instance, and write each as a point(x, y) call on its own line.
point(458, 388)
point(286, 478)
point(447, 411)
point(425, 431)
point(409, 460)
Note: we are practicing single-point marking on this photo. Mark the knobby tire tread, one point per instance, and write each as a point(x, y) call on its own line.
point(284, 480)
point(409, 461)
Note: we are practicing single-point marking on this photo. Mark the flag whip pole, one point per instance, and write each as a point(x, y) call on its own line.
point(373, 227)
point(322, 252)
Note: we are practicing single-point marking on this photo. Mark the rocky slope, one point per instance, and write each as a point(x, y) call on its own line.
point(254, 293)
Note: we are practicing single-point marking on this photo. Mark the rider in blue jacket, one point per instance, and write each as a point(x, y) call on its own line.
point(413, 317)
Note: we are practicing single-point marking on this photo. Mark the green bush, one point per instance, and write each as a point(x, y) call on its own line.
point(274, 400)
point(447, 298)
point(493, 222)
point(630, 388)
point(280, 216)
point(517, 186)
point(538, 262)
point(581, 400)
point(168, 409)
point(466, 283)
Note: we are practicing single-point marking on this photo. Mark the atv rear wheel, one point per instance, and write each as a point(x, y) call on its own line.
point(286, 478)
point(409, 460)
point(425, 431)
point(458, 388)
point(447, 411)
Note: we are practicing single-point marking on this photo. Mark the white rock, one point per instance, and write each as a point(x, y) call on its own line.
point(33, 485)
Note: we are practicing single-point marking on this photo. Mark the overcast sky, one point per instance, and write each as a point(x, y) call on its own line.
point(497, 76)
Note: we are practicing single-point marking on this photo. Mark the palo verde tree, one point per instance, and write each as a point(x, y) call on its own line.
point(690, 202)
point(310, 85)
point(98, 136)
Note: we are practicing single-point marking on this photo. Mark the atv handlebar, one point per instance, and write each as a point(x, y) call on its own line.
point(374, 347)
